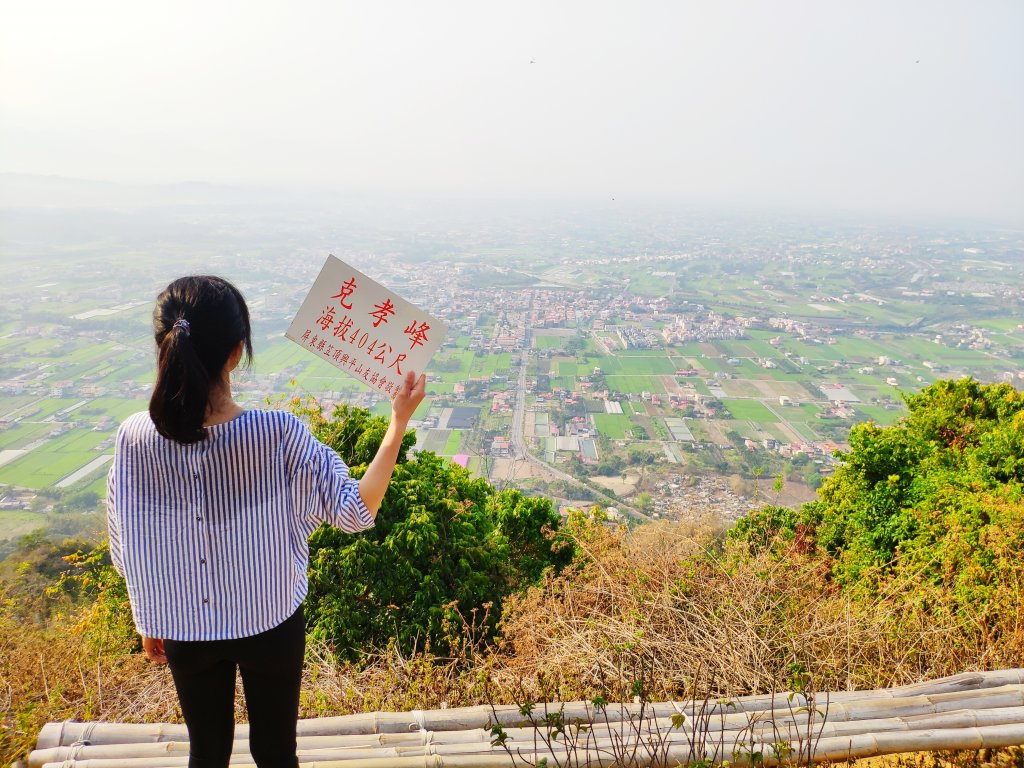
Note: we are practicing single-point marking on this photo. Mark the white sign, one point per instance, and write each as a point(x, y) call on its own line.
point(364, 329)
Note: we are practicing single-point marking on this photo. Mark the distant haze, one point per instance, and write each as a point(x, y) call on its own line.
point(891, 107)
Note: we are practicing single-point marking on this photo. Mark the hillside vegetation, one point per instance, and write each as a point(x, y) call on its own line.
point(906, 566)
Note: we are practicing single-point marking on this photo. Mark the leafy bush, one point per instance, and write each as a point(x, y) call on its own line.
point(927, 514)
point(445, 551)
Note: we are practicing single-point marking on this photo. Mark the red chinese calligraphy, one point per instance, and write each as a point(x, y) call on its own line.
point(326, 319)
point(342, 327)
point(417, 334)
point(382, 311)
point(397, 360)
point(346, 290)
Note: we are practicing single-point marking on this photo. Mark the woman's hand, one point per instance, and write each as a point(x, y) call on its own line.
point(154, 649)
point(409, 396)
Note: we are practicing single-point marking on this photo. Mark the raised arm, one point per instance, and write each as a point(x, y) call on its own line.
point(374, 482)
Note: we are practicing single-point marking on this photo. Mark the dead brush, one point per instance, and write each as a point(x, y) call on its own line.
point(48, 675)
point(676, 601)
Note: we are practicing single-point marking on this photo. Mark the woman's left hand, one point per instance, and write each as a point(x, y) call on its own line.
point(410, 395)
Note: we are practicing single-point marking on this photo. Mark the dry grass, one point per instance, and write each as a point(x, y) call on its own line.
point(666, 599)
point(48, 675)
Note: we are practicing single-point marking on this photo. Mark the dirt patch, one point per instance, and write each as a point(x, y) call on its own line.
point(617, 484)
point(740, 387)
point(512, 470)
point(791, 495)
point(715, 433)
point(670, 384)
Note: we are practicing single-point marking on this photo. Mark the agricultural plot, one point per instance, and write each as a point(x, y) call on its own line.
point(279, 357)
point(740, 388)
point(750, 410)
point(644, 365)
point(137, 371)
point(858, 350)
point(463, 359)
point(566, 367)
point(879, 414)
point(23, 435)
point(714, 364)
point(784, 433)
point(563, 382)
point(685, 350)
point(41, 347)
point(635, 384)
point(54, 460)
point(700, 387)
point(488, 365)
point(549, 342)
point(116, 409)
point(803, 429)
point(451, 446)
point(804, 412)
point(774, 389)
point(435, 440)
point(612, 426)
point(11, 405)
point(761, 348)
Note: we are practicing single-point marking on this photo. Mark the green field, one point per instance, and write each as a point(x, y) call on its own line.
point(567, 367)
point(879, 414)
point(612, 425)
point(22, 435)
point(451, 447)
point(635, 384)
point(53, 460)
point(750, 410)
point(549, 342)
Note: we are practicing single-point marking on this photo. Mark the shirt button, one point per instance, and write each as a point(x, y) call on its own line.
point(195, 475)
point(206, 600)
point(203, 561)
point(198, 518)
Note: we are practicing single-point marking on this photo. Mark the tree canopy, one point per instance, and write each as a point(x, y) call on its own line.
point(445, 550)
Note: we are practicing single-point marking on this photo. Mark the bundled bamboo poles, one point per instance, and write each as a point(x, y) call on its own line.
point(969, 711)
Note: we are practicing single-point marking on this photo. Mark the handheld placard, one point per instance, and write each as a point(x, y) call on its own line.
point(361, 327)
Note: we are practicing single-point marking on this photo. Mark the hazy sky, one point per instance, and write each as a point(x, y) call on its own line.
point(893, 106)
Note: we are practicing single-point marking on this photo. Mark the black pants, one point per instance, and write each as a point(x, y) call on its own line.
point(271, 667)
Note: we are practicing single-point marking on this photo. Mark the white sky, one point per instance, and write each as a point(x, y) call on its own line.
point(894, 105)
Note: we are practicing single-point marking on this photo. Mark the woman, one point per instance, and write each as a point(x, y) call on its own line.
point(209, 510)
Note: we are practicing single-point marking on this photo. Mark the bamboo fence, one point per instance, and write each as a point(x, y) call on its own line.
point(969, 711)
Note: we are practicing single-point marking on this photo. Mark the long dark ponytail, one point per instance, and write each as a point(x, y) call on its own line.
point(198, 321)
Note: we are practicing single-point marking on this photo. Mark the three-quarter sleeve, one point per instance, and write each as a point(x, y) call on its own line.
point(322, 489)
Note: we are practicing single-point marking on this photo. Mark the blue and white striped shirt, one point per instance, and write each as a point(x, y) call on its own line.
point(212, 538)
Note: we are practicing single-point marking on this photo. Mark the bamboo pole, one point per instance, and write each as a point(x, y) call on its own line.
point(460, 718)
point(832, 749)
point(732, 745)
point(987, 705)
point(776, 708)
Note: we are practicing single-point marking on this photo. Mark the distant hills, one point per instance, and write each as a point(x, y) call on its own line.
point(29, 191)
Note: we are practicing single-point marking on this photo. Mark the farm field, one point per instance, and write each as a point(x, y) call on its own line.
point(612, 425)
point(750, 410)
